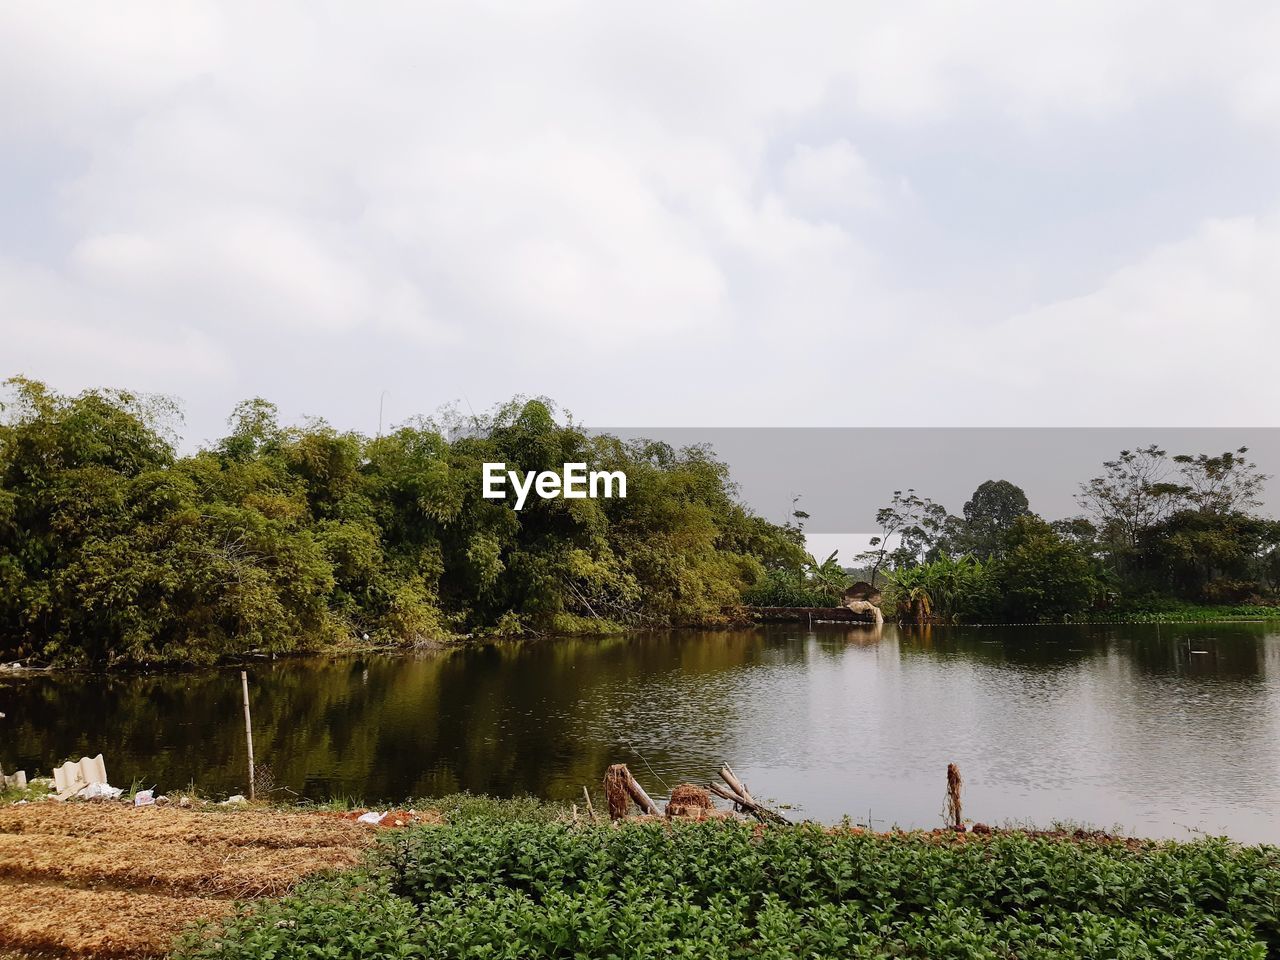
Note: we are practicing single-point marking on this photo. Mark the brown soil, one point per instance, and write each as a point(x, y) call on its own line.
point(108, 880)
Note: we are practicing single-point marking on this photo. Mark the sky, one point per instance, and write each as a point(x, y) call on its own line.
point(688, 214)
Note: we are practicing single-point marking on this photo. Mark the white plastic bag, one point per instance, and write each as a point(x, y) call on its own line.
point(372, 817)
point(143, 798)
point(100, 791)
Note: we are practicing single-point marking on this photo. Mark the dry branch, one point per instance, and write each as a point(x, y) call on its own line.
point(736, 791)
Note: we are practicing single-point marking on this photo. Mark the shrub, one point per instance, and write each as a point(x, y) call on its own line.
point(531, 890)
point(786, 588)
point(1042, 576)
point(954, 590)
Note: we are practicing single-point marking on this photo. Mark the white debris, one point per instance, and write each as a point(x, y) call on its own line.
point(234, 801)
point(99, 791)
point(144, 798)
point(372, 817)
point(74, 776)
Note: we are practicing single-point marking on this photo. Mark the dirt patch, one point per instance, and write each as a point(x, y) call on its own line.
point(109, 880)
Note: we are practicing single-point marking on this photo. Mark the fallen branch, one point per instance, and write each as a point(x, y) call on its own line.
point(736, 791)
point(638, 795)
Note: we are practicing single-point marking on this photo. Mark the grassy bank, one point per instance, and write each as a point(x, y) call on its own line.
point(494, 882)
point(1172, 611)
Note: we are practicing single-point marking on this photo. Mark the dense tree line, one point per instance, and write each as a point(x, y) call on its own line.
point(1157, 530)
point(116, 549)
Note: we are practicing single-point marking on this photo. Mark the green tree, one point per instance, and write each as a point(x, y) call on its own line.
point(1222, 484)
point(1133, 493)
point(990, 513)
point(826, 577)
point(1041, 576)
point(909, 528)
point(1211, 556)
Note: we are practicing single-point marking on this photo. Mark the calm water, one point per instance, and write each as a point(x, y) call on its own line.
point(1108, 725)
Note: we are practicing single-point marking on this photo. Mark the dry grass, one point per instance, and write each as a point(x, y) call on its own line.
point(108, 880)
point(690, 802)
point(214, 868)
point(59, 921)
point(239, 827)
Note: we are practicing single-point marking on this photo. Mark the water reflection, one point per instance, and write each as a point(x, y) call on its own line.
point(1155, 729)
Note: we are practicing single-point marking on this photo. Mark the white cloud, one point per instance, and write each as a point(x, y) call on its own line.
point(74, 71)
point(1185, 336)
point(75, 340)
point(833, 180)
point(480, 198)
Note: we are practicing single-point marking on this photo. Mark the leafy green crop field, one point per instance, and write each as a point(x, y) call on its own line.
point(510, 889)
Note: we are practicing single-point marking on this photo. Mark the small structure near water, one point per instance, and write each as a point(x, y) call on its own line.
point(861, 590)
point(859, 603)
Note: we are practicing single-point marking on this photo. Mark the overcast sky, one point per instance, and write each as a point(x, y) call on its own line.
point(732, 214)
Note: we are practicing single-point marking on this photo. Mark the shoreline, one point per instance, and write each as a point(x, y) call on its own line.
point(20, 669)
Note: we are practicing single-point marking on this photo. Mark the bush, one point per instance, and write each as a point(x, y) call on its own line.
point(954, 590)
point(1042, 576)
point(786, 588)
point(116, 550)
point(465, 807)
point(530, 890)
point(1155, 609)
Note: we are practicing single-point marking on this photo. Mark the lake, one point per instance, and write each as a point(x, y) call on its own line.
point(1160, 731)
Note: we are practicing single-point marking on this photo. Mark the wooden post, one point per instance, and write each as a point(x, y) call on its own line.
point(953, 796)
point(248, 729)
point(591, 810)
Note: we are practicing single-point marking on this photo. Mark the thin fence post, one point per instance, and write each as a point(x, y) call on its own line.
point(248, 729)
point(954, 810)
